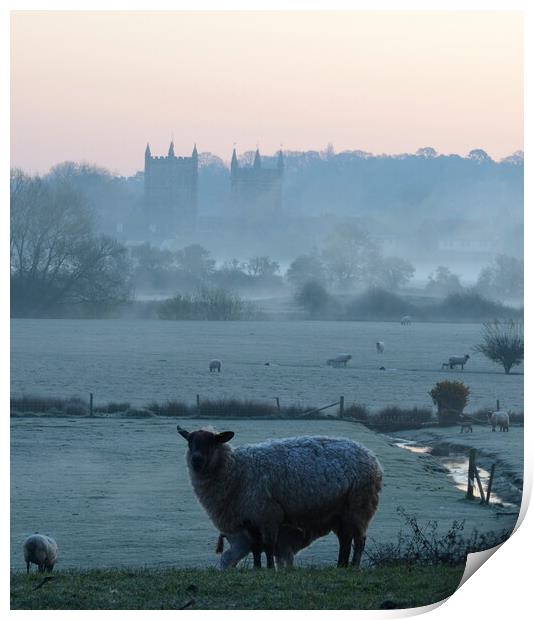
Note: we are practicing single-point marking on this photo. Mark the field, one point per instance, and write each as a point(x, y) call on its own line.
point(116, 493)
point(140, 361)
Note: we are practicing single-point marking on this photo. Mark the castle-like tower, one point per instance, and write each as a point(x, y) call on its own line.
point(170, 193)
point(255, 189)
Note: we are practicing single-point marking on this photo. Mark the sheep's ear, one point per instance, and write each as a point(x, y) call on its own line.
point(183, 432)
point(224, 437)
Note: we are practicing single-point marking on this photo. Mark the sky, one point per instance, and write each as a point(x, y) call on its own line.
point(97, 86)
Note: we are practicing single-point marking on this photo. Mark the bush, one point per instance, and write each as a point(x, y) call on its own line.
point(314, 298)
point(469, 305)
point(503, 343)
point(395, 418)
point(451, 398)
point(378, 304)
point(357, 411)
point(206, 305)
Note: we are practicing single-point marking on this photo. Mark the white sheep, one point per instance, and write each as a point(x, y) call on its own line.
point(500, 419)
point(456, 360)
point(215, 365)
point(380, 347)
point(300, 481)
point(41, 550)
point(340, 360)
point(406, 320)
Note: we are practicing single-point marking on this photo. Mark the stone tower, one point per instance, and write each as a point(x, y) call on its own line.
point(171, 195)
point(255, 189)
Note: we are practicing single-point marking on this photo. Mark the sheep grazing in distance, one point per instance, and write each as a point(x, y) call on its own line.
point(406, 320)
point(500, 419)
point(456, 360)
point(290, 541)
point(41, 550)
point(215, 365)
point(340, 360)
point(300, 481)
point(380, 347)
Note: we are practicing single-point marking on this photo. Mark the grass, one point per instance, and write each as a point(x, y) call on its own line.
point(303, 588)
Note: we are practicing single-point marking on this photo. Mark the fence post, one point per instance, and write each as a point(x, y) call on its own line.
point(278, 403)
point(490, 483)
point(471, 473)
point(198, 403)
point(498, 405)
point(341, 406)
point(91, 404)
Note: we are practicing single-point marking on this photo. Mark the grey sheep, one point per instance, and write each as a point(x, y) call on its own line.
point(215, 365)
point(340, 360)
point(300, 481)
point(41, 550)
point(500, 419)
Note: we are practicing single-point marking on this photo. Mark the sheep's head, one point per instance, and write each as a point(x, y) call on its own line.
point(204, 453)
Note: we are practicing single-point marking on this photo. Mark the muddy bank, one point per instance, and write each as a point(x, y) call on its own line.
point(451, 448)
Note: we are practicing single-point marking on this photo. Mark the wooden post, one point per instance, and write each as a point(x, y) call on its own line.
point(471, 473)
point(341, 406)
point(91, 404)
point(498, 405)
point(278, 403)
point(198, 403)
point(480, 489)
point(490, 483)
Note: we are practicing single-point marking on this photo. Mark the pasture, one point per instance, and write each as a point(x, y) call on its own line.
point(141, 361)
point(116, 493)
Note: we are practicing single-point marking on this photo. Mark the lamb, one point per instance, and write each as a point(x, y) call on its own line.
point(340, 360)
point(290, 541)
point(500, 419)
point(41, 550)
point(300, 481)
point(380, 347)
point(215, 365)
point(456, 361)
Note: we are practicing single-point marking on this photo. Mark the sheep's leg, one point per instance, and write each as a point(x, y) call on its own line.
point(345, 540)
point(359, 546)
point(269, 545)
point(256, 554)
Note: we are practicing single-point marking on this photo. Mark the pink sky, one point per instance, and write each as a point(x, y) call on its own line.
point(96, 86)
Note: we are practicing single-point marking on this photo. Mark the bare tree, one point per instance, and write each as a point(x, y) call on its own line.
point(55, 257)
point(503, 343)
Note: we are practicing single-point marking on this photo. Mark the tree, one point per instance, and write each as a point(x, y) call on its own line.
point(393, 272)
point(195, 261)
point(503, 278)
point(451, 398)
point(56, 259)
point(305, 268)
point(443, 282)
point(503, 343)
point(262, 267)
point(314, 298)
point(349, 255)
point(427, 152)
point(153, 267)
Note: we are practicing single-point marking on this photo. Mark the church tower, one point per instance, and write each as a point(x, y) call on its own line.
point(256, 189)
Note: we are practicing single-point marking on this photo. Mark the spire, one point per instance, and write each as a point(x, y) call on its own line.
point(280, 162)
point(234, 165)
point(148, 154)
point(171, 149)
point(195, 152)
point(257, 159)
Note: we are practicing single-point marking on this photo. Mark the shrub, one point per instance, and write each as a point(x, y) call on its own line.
point(451, 398)
point(377, 303)
point(314, 298)
point(395, 418)
point(469, 305)
point(503, 343)
point(206, 305)
point(357, 411)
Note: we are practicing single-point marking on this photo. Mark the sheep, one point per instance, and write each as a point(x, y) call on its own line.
point(406, 320)
point(380, 347)
point(41, 550)
point(466, 426)
point(340, 360)
point(300, 481)
point(500, 419)
point(215, 365)
point(456, 361)
point(290, 541)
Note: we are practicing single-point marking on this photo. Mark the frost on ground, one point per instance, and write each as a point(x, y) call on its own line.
point(115, 492)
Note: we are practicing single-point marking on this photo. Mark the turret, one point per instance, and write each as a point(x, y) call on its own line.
point(194, 155)
point(171, 149)
point(280, 161)
point(257, 159)
point(234, 165)
point(148, 154)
